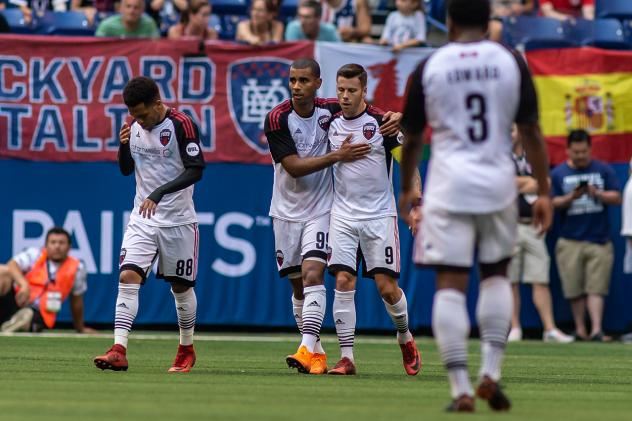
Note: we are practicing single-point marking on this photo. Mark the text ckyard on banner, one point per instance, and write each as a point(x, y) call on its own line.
point(61, 98)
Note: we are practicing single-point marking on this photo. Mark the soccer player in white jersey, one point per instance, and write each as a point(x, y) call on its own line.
point(162, 148)
point(364, 220)
point(302, 194)
point(470, 92)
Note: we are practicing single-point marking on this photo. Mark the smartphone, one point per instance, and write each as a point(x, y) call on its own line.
point(582, 184)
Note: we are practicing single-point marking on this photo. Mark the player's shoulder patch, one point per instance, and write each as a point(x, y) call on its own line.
point(275, 115)
point(186, 122)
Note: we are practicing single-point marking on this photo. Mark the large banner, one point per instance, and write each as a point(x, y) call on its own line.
point(238, 283)
point(60, 98)
point(388, 72)
point(586, 88)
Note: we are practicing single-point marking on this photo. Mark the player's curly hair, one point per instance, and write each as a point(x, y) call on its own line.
point(140, 90)
point(470, 13)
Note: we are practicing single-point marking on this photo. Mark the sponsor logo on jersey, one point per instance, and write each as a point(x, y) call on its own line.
point(279, 258)
point(193, 149)
point(323, 122)
point(298, 131)
point(165, 137)
point(255, 87)
point(369, 130)
point(122, 256)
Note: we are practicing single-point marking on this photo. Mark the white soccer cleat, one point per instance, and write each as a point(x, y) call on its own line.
point(515, 335)
point(556, 335)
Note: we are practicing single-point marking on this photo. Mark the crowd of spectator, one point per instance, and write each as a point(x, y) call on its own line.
point(325, 20)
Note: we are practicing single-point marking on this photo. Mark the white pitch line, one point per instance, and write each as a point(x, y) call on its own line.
point(200, 337)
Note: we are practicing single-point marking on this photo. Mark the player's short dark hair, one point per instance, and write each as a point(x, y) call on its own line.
point(353, 70)
point(307, 63)
point(469, 13)
point(578, 136)
point(140, 90)
point(58, 230)
point(313, 4)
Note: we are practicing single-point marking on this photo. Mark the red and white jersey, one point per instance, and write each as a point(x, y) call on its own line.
point(470, 94)
point(160, 156)
point(308, 197)
point(363, 188)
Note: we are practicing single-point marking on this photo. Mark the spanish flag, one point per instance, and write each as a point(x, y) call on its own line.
point(585, 88)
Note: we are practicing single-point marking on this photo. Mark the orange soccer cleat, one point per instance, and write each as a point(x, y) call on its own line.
point(302, 360)
point(319, 364)
point(491, 391)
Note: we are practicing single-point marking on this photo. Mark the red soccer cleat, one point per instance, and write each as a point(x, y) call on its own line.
point(344, 367)
point(491, 391)
point(185, 359)
point(463, 403)
point(411, 358)
point(114, 359)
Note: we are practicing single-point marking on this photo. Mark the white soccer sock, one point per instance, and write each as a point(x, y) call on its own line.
point(318, 348)
point(125, 312)
point(345, 321)
point(297, 311)
point(399, 315)
point(493, 312)
point(313, 315)
point(186, 307)
point(451, 327)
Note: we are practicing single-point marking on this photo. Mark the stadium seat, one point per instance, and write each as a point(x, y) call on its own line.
point(436, 9)
point(215, 22)
point(619, 9)
point(15, 19)
point(288, 8)
point(230, 26)
point(65, 23)
point(602, 33)
point(533, 33)
point(230, 7)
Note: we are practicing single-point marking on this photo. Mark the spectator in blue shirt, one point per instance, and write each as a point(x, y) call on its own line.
point(309, 26)
point(583, 188)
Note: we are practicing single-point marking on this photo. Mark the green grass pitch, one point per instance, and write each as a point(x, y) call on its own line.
point(245, 378)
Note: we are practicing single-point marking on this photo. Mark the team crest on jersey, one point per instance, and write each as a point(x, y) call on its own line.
point(165, 137)
point(122, 256)
point(255, 86)
point(369, 130)
point(324, 121)
point(279, 257)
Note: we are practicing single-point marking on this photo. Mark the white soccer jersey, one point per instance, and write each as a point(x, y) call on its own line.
point(470, 94)
point(160, 156)
point(362, 188)
point(308, 197)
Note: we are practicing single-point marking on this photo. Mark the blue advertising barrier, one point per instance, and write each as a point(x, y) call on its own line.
point(238, 284)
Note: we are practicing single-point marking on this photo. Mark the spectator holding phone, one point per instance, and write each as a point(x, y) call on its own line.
point(582, 189)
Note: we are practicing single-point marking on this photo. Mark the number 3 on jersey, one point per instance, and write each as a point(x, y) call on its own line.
point(475, 104)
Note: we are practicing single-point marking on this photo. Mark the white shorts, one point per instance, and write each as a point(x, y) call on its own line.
point(298, 241)
point(176, 249)
point(375, 242)
point(450, 239)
